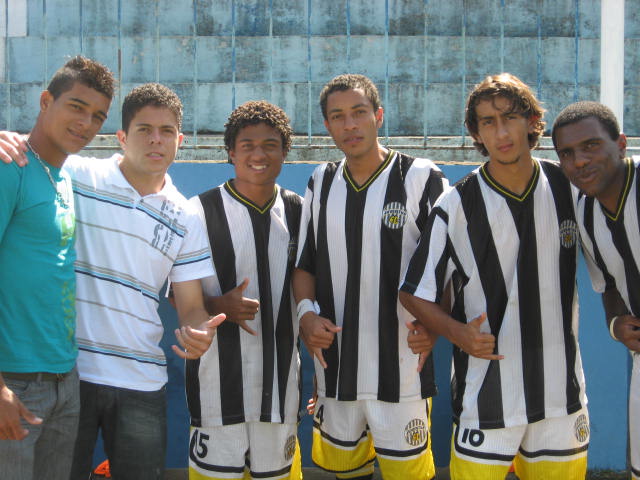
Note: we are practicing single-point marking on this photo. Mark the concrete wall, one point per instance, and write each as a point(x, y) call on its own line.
point(424, 55)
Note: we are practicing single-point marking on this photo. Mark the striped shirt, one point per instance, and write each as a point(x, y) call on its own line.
point(127, 246)
point(246, 378)
point(357, 241)
point(513, 257)
point(611, 240)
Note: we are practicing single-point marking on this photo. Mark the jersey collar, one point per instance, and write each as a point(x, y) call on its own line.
point(505, 192)
point(244, 200)
point(371, 179)
point(622, 200)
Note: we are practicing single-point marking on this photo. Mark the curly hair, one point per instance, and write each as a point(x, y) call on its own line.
point(350, 81)
point(582, 110)
point(253, 113)
point(152, 94)
point(85, 71)
point(510, 87)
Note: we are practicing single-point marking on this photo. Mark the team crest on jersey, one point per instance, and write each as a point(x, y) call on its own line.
point(568, 233)
point(290, 447)
point(394, 215)
point(581, 428)
point(415, 433)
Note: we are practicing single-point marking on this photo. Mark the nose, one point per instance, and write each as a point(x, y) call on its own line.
point(581, 159)
point(258, 152)
point(85, 119)
point(501, 129)
point(349, 122)
point(155, 136)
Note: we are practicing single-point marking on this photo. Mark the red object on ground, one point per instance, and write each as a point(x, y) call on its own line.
point(102, 470)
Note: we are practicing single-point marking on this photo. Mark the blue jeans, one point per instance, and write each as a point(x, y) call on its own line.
point(134, 430)
point(47, 451)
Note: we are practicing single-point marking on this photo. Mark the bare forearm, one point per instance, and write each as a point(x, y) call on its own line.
point(613, 304)
point(214, 305)
point(304, 285)
point(193, 317)
point(431, 315)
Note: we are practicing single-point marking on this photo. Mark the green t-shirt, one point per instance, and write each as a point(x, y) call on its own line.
point(37, 280)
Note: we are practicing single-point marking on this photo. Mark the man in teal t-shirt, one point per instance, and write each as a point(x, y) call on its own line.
point(37, 277)
point(39, 393)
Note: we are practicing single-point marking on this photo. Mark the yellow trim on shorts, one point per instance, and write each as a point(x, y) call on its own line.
point(401, 469)
point(462, 469)
point(368, 469)
point(195, 475)
point(329, 456)
point(421, 466)
point(574, 469)
point(296, 465)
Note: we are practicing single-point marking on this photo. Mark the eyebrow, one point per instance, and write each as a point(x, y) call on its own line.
point(500, 114)
point(357, 105)
point(82, 102)
point(79, 100)
point(168, 125)
point(250, 140)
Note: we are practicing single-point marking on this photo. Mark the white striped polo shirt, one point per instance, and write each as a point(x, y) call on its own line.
point(127, 246)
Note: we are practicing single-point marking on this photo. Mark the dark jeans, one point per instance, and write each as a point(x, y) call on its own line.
point(134, 430)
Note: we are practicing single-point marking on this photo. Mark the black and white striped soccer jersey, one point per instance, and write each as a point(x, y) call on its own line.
point(243, 378)
point(357, 241)
point(611, 240)
point(513, 257)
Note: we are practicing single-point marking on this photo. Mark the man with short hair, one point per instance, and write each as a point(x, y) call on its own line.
point(39, 401)
point(505, 239)
point(592, 151)
point(361, 221)
point(135, 230)
point(243, 393)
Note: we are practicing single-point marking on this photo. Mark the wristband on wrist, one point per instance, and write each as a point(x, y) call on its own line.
point(611, 324)
point(305, 305)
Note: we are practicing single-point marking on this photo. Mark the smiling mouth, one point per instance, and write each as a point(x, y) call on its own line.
point(258, 168)
point(77, 135)
point(586, 177)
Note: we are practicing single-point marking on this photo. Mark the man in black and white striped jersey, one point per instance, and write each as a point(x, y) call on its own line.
point(361, 221)
point(506, 238)
point(592, 154)
point(243, 395)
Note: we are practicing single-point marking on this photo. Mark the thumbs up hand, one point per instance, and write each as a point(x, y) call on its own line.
point(237, 307)
point(476, 343)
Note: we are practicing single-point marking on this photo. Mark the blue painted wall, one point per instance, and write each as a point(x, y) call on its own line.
point(423, 54)
point(605, 362)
